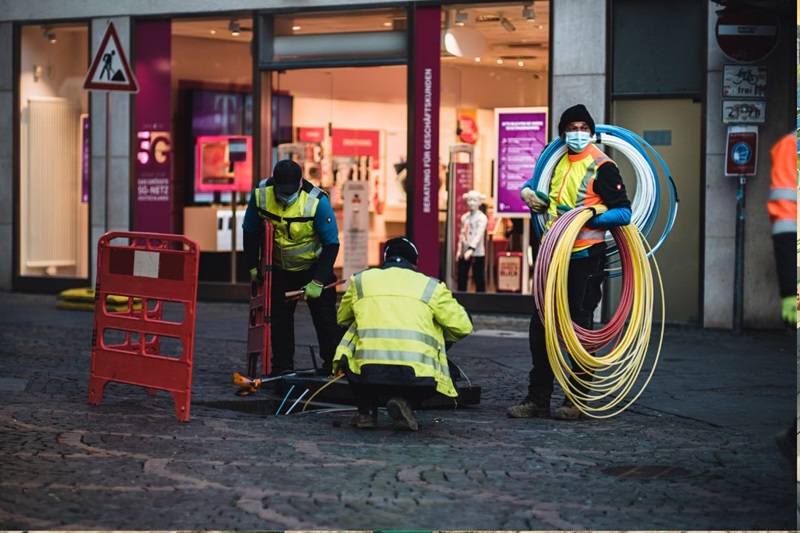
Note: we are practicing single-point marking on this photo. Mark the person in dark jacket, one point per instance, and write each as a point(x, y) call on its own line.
point(304, 248)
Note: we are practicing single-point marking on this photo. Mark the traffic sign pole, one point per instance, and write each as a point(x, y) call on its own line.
point(738, 271)
point(109, 71)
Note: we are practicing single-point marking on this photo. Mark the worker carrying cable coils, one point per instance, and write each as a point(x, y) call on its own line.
point(584, 176)
point(399, 322)
point(782, 209)
point(304, 249)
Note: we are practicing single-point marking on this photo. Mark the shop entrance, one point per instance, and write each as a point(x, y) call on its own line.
point(348, 132)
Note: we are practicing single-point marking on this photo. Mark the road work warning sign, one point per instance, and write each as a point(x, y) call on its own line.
point(109, 70)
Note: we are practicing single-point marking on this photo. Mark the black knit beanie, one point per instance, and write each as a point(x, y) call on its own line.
point(576, 113)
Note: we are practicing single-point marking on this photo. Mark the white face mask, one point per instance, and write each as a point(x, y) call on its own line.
point(577, 140)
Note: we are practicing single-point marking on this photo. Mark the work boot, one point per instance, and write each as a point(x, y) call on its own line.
point(567, 411)
point(402, 414)
point(787, 444)
point(529, 409)
point(363, 420)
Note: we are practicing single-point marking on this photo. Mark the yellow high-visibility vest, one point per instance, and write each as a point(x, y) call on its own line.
point(398, 316)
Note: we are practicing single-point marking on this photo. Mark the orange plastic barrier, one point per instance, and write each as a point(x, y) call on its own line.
point(158, 269)
point(259, 328)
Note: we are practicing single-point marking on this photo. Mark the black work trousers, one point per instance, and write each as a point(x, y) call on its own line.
point(368, 395)
point(584, 290)
point(323, 315)
point(478, 265)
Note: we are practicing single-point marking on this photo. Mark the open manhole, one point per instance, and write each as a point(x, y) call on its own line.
point(647, 472)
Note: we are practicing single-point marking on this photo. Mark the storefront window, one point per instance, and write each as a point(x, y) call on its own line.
point(495, 62)
point(54, 152)
point(213, 129)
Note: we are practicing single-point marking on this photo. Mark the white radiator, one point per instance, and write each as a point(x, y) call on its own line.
point(50, 184)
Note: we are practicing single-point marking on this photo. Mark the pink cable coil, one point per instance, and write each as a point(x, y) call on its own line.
point(591, 340)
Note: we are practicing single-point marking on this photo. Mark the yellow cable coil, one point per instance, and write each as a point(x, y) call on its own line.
point(617, 371)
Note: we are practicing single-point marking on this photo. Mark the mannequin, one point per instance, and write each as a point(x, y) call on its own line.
point(471, 247)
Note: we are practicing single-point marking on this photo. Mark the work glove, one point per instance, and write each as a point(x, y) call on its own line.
point(537, 201)
point(313, 289)
point(789, 310)
point(256, 276)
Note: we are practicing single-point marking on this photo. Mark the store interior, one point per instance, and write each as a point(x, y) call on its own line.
point(341, 124)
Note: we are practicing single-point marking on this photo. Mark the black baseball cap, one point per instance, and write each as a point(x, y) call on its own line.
point(287, 176)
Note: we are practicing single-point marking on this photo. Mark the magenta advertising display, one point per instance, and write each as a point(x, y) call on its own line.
point(223, 163)
point(521, 135)
point(153, 189)
point(425, 165)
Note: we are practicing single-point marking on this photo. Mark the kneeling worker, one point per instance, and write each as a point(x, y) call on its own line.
point(399, 321)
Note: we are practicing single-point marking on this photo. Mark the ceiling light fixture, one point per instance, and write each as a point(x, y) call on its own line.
point(464, 42)
point(461, 18)
point(528, 13)
point(50, 36)
point(297, 28)
point(507, 24)
point(235, 28)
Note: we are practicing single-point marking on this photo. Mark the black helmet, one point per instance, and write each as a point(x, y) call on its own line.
point(400, 247)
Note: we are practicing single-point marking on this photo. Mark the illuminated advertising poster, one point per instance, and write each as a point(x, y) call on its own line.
point(153, 191)
point(521, 135)
point(223, 163)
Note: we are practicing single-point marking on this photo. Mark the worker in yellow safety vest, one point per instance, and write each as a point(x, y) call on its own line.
point(399, 322)
point(583, 177)
point(304, 249)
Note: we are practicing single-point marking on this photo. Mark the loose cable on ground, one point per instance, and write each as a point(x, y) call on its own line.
point(289, 410)
point(340, 376)
point(284, 399)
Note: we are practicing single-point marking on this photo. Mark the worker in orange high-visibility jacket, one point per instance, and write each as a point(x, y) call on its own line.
point(399, 322)
point(782, 208)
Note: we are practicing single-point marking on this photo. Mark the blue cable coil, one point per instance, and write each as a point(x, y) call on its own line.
point(645, 204)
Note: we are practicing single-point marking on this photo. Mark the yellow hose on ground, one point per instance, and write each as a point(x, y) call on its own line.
point(612, 375)
point(305, 405)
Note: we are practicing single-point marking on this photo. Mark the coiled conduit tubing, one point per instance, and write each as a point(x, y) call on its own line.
point(648, 193)
point(610, 377)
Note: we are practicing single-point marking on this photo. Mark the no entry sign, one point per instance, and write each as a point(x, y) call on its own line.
point(748, 35)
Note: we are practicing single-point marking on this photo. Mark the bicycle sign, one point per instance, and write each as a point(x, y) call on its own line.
point(743, 81)
point(744, 111)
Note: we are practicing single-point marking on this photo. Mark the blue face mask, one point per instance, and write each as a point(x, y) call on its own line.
point(577, 140)
point(288, 200)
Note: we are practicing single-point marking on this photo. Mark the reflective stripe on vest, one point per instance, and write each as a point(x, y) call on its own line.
point(584, 196)
point(292, 250)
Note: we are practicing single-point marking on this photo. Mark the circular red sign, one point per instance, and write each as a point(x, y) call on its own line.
point(748, 35)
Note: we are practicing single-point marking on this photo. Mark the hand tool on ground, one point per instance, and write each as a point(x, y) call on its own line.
point(248, 386)
point(296, 295)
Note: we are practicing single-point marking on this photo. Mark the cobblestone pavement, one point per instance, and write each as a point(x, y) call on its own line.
point(695, 452)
